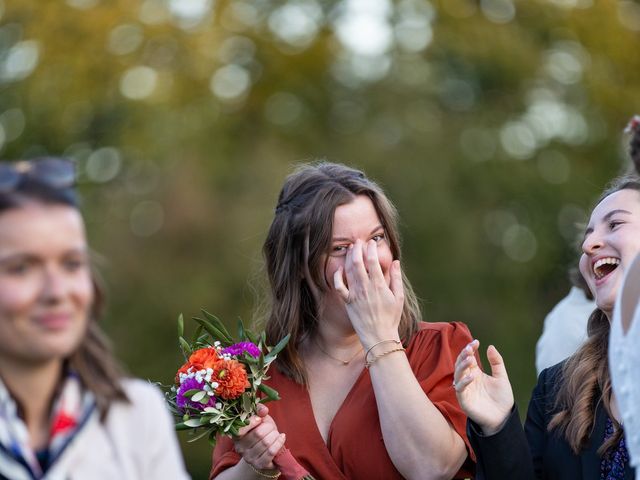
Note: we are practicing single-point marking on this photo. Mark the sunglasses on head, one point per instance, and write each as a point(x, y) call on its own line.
point(58, 173)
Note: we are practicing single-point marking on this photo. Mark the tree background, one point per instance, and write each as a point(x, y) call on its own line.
point(492, 124)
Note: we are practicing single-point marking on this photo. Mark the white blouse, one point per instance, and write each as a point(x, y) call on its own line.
point(624, 360)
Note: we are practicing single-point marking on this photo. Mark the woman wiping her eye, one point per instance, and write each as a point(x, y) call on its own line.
point(365, 385)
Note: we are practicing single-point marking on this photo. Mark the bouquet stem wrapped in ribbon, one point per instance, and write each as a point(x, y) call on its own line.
point(221, 383)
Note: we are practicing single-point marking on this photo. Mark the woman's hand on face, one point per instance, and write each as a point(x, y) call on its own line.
point(259, 441)
point(373, 305)
point(486, 399)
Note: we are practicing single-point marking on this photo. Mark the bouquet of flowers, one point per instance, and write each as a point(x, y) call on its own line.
point(217, 389)
point(221, 383)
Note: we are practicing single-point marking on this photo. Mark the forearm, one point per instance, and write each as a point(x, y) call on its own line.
point(419, 440)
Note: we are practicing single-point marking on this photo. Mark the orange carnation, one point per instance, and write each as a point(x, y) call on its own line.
point(204, 358)
point(200, 359)
point(231, 377)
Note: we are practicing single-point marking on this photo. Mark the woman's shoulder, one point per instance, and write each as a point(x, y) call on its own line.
point(142, 395)
point(439, 341)
point(445, 331)
point(548, 384)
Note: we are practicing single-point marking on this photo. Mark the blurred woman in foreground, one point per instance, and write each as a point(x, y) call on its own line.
point(65, 409)
point(365, 385)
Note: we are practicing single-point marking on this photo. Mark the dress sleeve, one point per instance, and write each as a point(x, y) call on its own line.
point(224, 456)
point(432, 355)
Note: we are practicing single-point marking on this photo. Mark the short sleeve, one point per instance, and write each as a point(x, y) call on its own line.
point(432, 354)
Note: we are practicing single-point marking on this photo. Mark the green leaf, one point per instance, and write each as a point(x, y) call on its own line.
point(212, 438)
point(275, 350)
point(199, 436)
point(215, 321)
point(185, 347)
point(197, 333)
point(182, 426)
point(269, 392)
point(247, 404)
point(215, 332)
point(241, 330)
point(252, 337)
point(180, 325)
point(190, 393)
point(199, 396)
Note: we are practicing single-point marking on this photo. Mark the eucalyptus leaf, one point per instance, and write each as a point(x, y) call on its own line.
point(197, 333)
point(190, 393)
point(186, 348)
point(212, 438)
point(269, 392)
point(253, 338)
point(200, 435)
point(193, 422)
point(215, 321)
point(241, 330)
point(218, 335)
point(198, 396)
point(275, 350)
point(180, 326)
point(182, 426)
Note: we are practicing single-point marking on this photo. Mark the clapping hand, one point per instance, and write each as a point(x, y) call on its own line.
point(486, 399)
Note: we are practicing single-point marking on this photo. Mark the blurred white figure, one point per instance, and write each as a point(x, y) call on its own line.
point(624, 357)
point(565, 329)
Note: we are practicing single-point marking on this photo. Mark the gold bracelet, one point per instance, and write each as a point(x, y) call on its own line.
point(265, 475)
point(368, 363)
point(397, 342)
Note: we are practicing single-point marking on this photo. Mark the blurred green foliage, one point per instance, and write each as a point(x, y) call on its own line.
point(492, 124)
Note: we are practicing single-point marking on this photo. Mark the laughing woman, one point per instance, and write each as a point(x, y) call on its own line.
point(365, 386)
point(65, 410)
point(573, 427)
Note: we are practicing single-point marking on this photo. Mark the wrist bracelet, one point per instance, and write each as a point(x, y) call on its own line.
point(397, 342)
point(366, 355)
point(263, 474)
point(368, 363)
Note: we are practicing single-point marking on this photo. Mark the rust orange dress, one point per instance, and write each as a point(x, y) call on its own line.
point(355, 447)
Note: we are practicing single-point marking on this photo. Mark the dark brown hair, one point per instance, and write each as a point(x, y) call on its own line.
point(295, 251)
point(584, 379)
point(93, 360)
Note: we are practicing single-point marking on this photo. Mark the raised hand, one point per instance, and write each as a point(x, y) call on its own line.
point(259, 441)
point(486, 399)
point(374, 305)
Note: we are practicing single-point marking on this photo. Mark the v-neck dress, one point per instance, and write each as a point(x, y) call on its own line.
point(355, 447)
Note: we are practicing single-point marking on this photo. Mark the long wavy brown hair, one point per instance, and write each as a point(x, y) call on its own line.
point(296, 249)
point(93, 360)
point(584, 378)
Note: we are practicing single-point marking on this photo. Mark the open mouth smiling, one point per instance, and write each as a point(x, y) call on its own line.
point(604, 266)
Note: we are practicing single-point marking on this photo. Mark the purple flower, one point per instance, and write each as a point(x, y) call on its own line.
point(184, 402)
point(237, 349)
